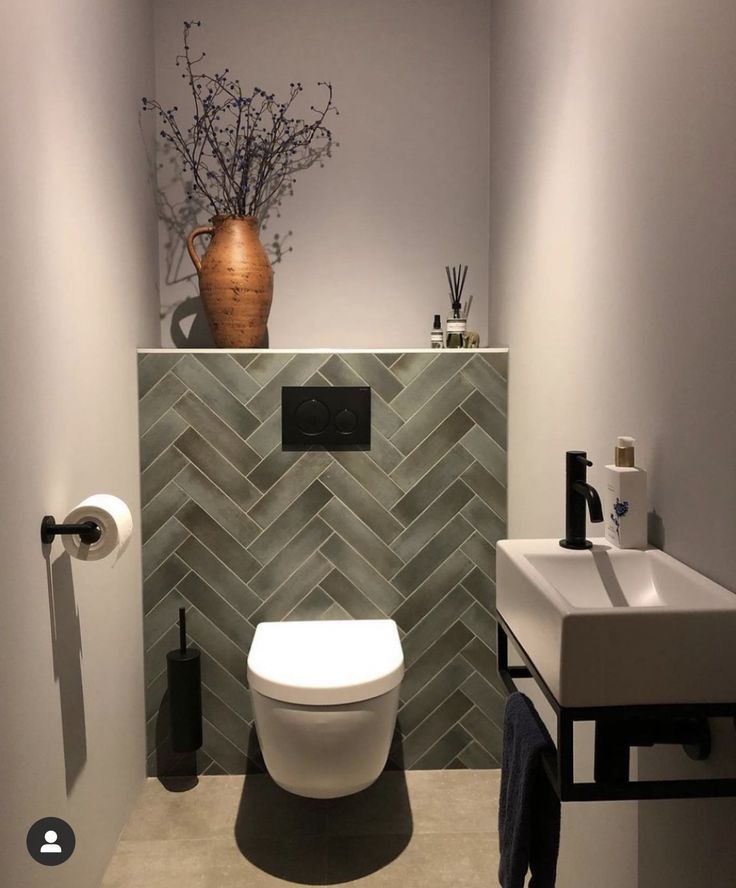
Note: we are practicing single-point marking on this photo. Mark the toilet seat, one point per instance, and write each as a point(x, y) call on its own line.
point(325, 663)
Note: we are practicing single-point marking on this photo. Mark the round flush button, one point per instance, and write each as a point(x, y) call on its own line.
point(346, 421)
point(312, 417)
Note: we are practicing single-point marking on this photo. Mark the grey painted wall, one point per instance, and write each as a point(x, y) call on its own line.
point(613, 186)
point(406, 192)
point(239, 531)
point(79, 264)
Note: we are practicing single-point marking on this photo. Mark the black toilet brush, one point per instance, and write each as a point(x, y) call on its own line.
point(185, 693)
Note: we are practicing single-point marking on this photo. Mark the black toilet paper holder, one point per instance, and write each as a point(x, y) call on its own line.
point(88, 532)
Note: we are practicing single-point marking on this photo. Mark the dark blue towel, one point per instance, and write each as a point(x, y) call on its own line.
point(528, 810)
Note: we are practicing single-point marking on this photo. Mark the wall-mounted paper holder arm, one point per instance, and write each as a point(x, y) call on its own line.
point(88, 532)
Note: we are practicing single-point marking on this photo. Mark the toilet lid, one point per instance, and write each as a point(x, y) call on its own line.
point(324, 663)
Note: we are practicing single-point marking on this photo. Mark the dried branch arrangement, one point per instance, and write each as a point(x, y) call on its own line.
point(241, 151)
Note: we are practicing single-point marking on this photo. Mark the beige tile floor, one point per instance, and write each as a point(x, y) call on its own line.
point(434, 829)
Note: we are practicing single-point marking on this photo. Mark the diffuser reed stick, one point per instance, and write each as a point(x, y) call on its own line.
point(456, 280)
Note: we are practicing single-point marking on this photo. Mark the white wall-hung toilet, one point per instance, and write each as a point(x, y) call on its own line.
point(325, 696)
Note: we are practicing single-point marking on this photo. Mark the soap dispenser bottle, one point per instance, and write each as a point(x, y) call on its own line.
point(626, 499)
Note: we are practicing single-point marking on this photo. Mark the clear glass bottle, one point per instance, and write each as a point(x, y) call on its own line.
point(456, 328)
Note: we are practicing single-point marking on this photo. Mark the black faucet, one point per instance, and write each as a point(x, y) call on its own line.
point(577, 493)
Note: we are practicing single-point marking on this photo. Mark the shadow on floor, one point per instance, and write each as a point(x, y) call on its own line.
point(323, 841)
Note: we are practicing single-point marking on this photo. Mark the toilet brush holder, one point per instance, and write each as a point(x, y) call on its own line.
point(185, 693)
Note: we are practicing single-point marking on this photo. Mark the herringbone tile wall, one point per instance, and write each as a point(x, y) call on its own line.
point(239, 531)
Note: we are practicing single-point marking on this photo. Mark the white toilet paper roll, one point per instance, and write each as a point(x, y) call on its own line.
point(113, 518)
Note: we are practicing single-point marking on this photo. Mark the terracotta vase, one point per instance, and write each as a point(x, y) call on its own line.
point(235, 281)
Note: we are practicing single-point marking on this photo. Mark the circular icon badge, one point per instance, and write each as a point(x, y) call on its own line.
point(50, 841)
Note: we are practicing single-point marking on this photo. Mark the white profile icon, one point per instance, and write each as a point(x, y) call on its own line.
point(50, 847)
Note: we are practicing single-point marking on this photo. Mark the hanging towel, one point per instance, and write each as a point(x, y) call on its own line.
point(529, 809)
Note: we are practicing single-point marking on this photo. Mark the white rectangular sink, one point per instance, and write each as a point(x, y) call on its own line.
point(615, 627)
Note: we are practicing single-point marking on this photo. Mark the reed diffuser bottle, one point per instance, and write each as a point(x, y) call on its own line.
point(457, 324)
point(436, 339)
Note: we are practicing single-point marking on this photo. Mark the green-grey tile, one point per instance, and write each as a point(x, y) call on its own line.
point(154, 658)
point(151, 368)
point(498, 360)
point(445, 750)
point(488, 382)
point(216, 432)
point(267, 435)
point(217, 505)
point(482, 588)
point(435, 621)
point(482, 553)
point(160, 472)
point(299, 368)
point(229, 723)
point(431, 520)
point(382, 452)
point(265, 366)
point(485, 696)
point(481, 658)
point(476, 758)
point(231, 374)
point(427, 384)
point(350, 598)
point(426, 734)
point(160, 435)
point(484, 520)
point(433, 590)
point(435, 658)
point(217, 469)
point(216, 396)
point(359, 500)
point(335, 612)
point(487, 416)
point(285, 562)
point(231, 759)
point(291, 592)
point(161, 617)
point(488, 488)
point(409, 365)
point(432, 449)
point(428, 558)
point(437, 689)
point(212, 640)
point(361, 537)
point(367, 473)
point(289, 523)
point(437, 479)
point(289, 486)
point(218, 540)
point(479, 621)
point(160, 509)
point(484, 732)
point(488, 453)
point(158, 399)
point(376, 375)
point(166, 539)
point(432, 413)
point(361, 574)
point(162, 581)
point(209, 602)
point(218, 576)
point(312, 606)
point(229, 689)
point(273, 466)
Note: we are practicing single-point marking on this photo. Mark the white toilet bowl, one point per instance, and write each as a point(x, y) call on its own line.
point(325, 696)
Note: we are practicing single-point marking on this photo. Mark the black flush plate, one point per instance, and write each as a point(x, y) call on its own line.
point(335, 417)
